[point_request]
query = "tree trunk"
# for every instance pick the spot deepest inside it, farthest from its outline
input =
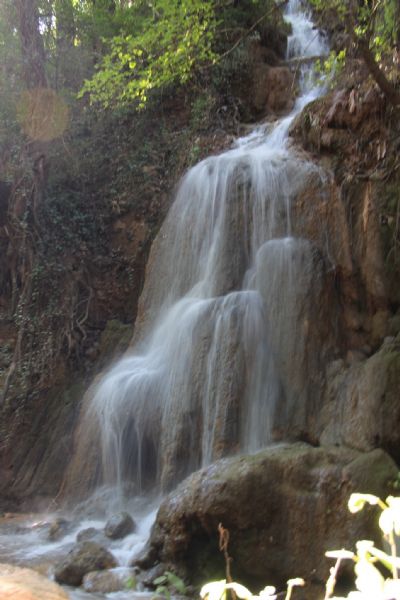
(65, 38)
(386, 86)
(33, 55)
(363, 45)
(397, 32)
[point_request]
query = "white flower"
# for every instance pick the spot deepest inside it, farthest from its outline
(390, 518)
(215, 590)
(357, 501)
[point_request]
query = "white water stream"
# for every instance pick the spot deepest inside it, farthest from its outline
(225, 297)
(224, 286)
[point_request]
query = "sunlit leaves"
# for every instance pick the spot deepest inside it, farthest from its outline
(375, 22)
(168, 40)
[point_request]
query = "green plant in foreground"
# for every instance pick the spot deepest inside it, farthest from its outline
(369, 581)
(168, 583)
(130, 583)
(216, 590)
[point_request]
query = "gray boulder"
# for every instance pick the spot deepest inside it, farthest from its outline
(91, 534)
(119, 526)
(83, 558)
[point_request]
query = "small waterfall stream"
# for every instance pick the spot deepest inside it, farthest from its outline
(224, 299)
(221, 354)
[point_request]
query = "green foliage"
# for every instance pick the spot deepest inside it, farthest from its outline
(169, 583)
(165, 42)
(161, 46)
(375, 22)
(10, 87)
(201, 108)
(130, 583)
(373, 32)
(332, 65)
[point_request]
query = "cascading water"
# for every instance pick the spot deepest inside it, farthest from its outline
(222, 361)
(226, 301)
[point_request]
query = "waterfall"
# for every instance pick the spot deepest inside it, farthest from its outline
(227, 306)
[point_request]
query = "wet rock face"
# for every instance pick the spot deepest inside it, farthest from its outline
(58, 529)
(272, 89)
(362, 407)
(91, 534)
(26, 584)
(119, 526)
(83, 558)
(361, 402)
(284, 507)
(87, 534)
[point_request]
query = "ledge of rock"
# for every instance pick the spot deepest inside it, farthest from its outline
(284, 507)
(25, 584)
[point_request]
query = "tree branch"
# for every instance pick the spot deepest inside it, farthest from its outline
(387, 87)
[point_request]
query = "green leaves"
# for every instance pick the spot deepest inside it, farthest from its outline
(373, 30)
(167, 582)
(167, 42)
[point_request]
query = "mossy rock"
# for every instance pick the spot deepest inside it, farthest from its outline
(284, 508)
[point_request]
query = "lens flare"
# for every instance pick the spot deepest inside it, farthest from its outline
(42, 114)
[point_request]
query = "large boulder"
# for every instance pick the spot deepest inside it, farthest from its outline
(119, 526)
(284, 507)
(83, 558)
(25, 584)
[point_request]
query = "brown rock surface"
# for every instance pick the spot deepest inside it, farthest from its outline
(106, 582)
(119, 525)
(362, 409)
(272, 89)
(25, 584)
(83, 558)
(284, 507)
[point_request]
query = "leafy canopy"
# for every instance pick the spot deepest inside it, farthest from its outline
(372, 20)
(159, 43)
(373, 27)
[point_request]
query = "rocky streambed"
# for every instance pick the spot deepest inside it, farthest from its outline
(89, 557)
